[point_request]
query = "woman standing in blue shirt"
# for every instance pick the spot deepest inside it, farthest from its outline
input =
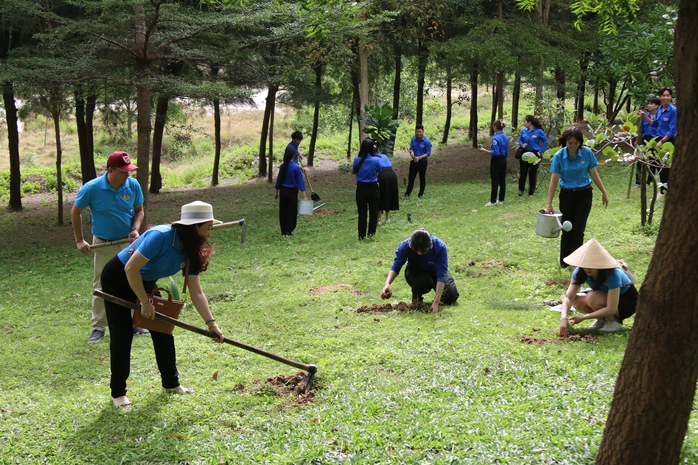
(613, 296)
(132, 274)
(531, 139)
(288, 182)
(498, 163)
(389, 189)
(366, 168)
(573, 169)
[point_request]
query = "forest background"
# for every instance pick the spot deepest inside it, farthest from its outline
(484, 44)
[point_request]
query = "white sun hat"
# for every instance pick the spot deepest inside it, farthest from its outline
(195, 213)
(591, 255)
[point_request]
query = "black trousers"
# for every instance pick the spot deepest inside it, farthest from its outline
(367, 199)
(498, 175)
(114, 282)
(423, 282)
(575, 207)
(527, 170)
(421, 168)
(288, 209)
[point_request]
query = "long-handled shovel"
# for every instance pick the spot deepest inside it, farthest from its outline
(243, 235)
(311, 369)
(313, 195)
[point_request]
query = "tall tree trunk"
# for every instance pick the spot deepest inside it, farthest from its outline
(56, 114)
(581, 89)
(158, 134)
(356, 105)
(271, 144)
(397, 82)
(494, 110)
(473, 105)
(316, 113)
(351, 127)
(500, 96)
(560, 83)
(90, 106)
(217, 137)
(449, 108)
(610, 100)
(8, 96)
(272, 89)
(515, 97)
(363, 73)
(87, 160)
(595, 108)
(143, 107)
(656, 385)
(422, 61)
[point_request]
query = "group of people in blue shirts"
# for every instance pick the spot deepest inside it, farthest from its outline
(659, 124)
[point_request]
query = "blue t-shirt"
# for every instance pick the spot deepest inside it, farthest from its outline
(615, 278)
(574, 172)
(665, 123)
(385, 161)
(535, 138)
(161, 246)
(295, 149)
(369, 169)
(293, 178)
(111, 210)
(500, 145)
(421, 147)
(649, 129)
(436, 259)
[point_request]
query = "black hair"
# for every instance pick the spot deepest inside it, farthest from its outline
(597, 282)
(570, 133)
(368, 147)
(534, 120)
(419, 126)
(297, 135)
(197, 247)
(665, 89)
(655, 100)
(289, 155)
(420, 241)
(498, 125)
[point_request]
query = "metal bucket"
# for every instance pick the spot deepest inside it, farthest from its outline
(549, 225)
(305, 207)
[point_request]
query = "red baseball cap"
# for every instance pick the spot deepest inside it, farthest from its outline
(121, 160)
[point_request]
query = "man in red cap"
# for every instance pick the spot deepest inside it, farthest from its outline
(116, 212)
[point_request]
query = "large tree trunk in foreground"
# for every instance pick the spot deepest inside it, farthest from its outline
(84, 111)
(8, 96)
(654, 392)
(515, 97)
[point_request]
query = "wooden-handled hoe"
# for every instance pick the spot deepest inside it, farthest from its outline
(311, 369)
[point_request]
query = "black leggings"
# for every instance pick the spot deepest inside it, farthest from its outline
(367, 200)
(498, 175)
(575, 207)
(288, 209)
(423, 282)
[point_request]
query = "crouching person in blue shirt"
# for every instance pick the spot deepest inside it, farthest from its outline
(427, 269)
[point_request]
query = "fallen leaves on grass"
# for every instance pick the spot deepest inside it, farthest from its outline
(588, 338)
(384, 308)
(215, 375)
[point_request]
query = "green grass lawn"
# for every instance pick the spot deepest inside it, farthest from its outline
(459, 387)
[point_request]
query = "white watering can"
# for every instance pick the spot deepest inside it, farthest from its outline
(549, 225)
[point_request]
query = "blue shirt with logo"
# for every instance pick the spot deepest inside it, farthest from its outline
(574, 172)
(369, 170)
(160, 245)
(293, 146)
(436, 259)
(385, 161)
(111, 210)
(665, 123)
(421, 147)
(615, 279)
(293, 178)
(500, 145)
(535, 138)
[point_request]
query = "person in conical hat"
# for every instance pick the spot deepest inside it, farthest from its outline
(612, 298)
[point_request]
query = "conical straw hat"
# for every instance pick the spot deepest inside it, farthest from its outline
(591, 255)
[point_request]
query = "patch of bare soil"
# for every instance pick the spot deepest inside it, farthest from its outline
(588, 338)
(330, 288)
(292, 386)
(398, 306)
(327, 211)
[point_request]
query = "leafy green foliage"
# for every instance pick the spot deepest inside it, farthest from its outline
(381, 127)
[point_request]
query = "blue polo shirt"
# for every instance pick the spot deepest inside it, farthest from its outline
(161, 246)
(615, 279)
(436, 259)
(385, 161)
(535, 138)
(295, 149)
(421, 147)
(574, 172)
(369, 169)
(649, 129)
(111, 210)
(500, 145)
(293, 178)
(665, 123)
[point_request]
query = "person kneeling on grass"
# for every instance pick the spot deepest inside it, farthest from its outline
(612, 298)
(427, 269)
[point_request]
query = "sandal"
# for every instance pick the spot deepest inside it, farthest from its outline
(121, 402)
(179, 390)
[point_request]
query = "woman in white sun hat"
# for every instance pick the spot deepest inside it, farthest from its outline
(612, 298)
(159, 252)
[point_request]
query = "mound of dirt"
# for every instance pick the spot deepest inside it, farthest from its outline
(384, 308)
(291, 386)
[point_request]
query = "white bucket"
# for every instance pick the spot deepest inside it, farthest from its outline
(305, 207)
(549, 225)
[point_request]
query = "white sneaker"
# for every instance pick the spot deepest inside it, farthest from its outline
(598, 324)
(499, 202)
(611, 326)
(556, 308)
(489, 204)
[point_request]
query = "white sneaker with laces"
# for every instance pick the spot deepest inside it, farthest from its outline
(499, 202)
(598, 324)
(611, 326)
(489, 204)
